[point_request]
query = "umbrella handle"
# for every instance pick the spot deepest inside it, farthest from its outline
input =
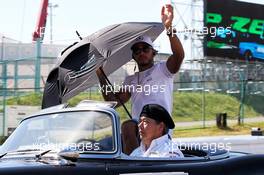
(117, 97)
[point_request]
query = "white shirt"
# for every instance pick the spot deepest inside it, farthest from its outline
(160, 147)
(152, 86)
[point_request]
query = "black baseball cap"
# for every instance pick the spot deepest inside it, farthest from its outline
(158, 113)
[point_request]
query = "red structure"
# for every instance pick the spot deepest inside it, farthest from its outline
(41, 23)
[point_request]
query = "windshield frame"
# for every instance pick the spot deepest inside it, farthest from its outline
(84, 154)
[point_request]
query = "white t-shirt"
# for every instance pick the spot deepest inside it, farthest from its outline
(160, 147)
(152, 86)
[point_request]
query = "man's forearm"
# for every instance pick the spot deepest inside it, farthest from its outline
(176, 47)
(175, 60)
(105, 89)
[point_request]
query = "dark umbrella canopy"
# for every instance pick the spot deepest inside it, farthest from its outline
(109, 47)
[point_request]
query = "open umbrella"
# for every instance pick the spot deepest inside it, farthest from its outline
(109, 47)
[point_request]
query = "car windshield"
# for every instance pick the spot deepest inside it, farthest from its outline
(82, 131)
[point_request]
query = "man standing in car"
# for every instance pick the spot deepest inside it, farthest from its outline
(159, 75)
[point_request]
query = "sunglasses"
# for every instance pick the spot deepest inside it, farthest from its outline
(138, 50)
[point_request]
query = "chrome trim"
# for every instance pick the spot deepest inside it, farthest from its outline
(70, 109)
(116, 129)
(117, 139)
(165, 159)
(218, 157)
(92, 103)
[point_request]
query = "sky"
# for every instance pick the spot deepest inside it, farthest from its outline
(19, 17)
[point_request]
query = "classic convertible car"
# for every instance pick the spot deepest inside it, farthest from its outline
(86, 139)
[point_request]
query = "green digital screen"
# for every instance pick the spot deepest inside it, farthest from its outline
(237, 29)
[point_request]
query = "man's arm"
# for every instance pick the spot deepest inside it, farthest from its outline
(108, 95)
(175, 60)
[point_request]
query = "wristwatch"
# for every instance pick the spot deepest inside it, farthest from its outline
(171, 31)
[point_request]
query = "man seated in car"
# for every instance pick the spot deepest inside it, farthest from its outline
(153, 127)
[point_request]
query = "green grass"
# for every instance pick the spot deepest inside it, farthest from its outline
(31, 99)
(214, 131)
(255, 101)
(2, 139)
(187, 106)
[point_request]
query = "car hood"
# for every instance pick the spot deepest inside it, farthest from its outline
(49, 166)
(33, 162)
